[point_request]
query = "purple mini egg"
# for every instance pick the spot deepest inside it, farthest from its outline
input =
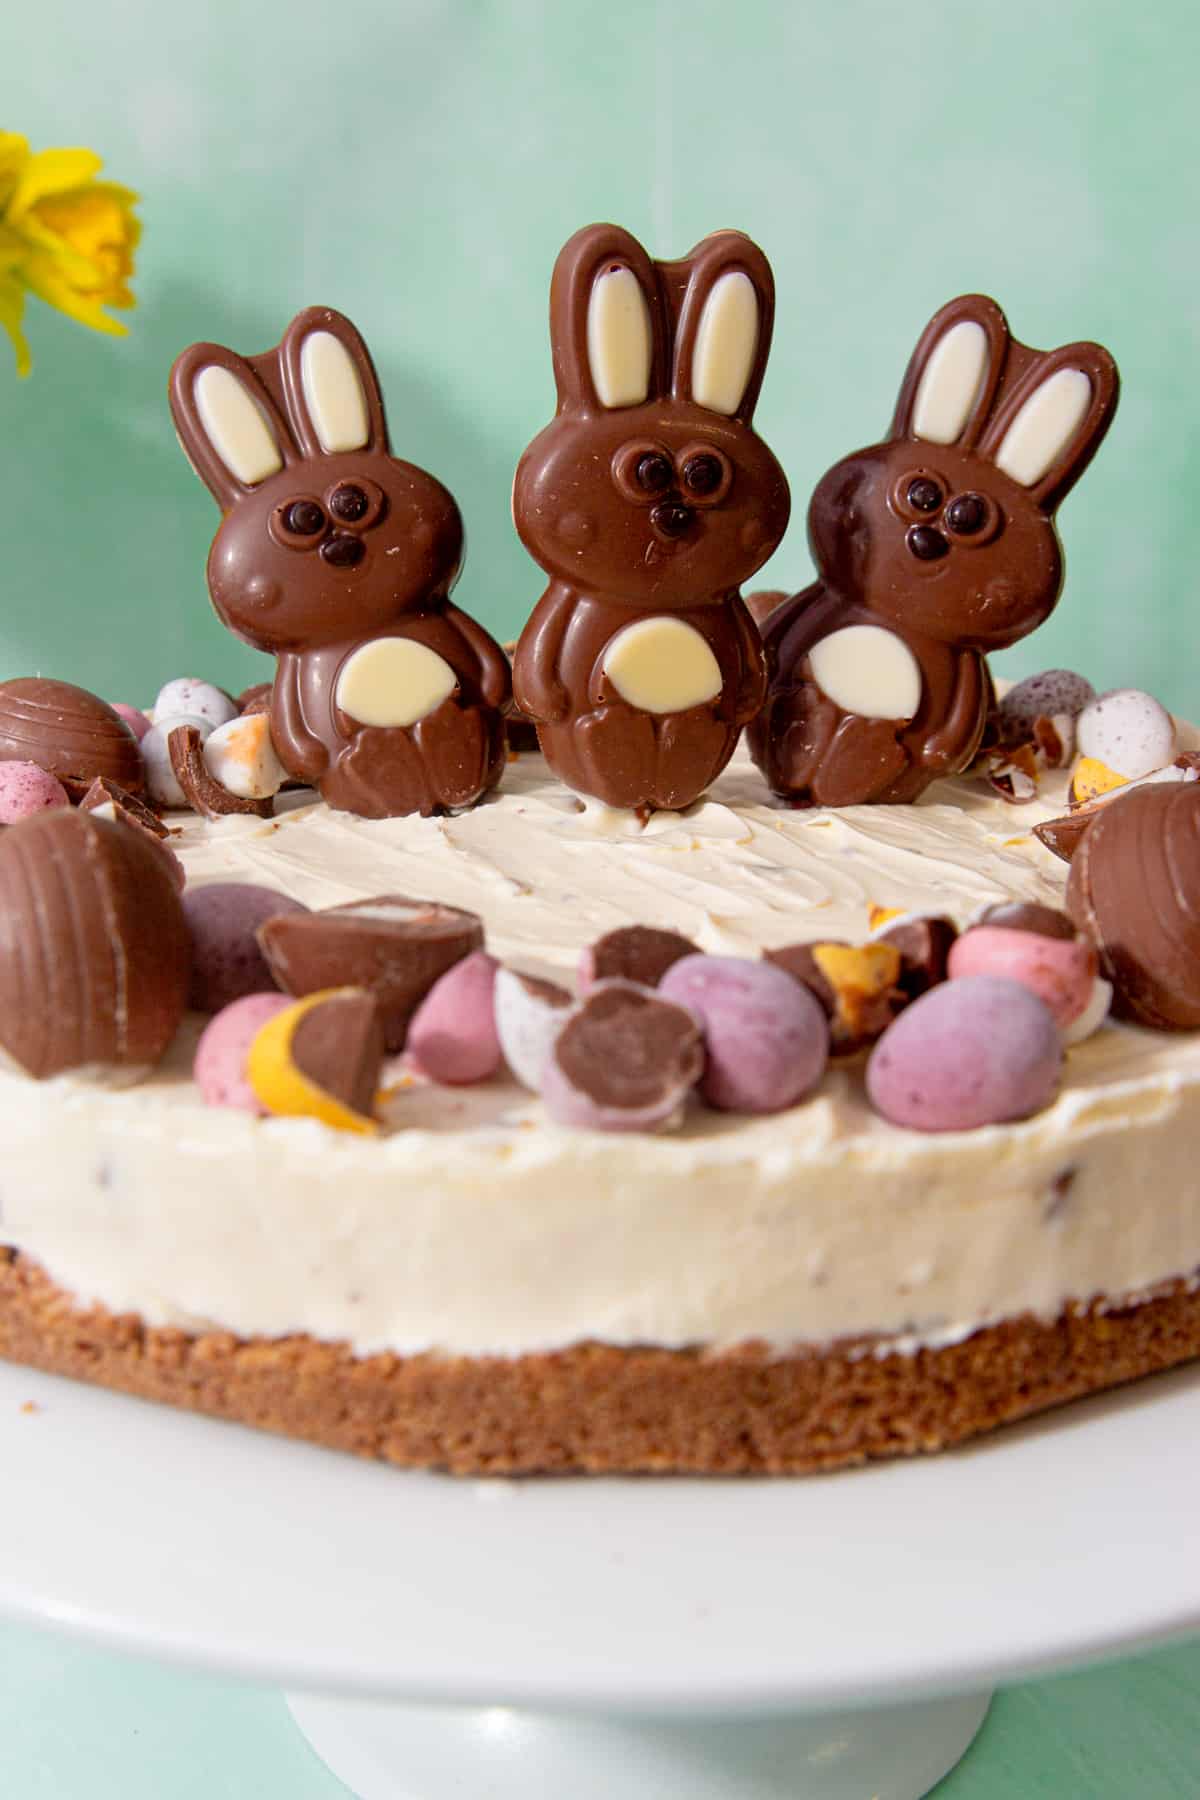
(978, 1050)
(219, 1069)
(26, 789)
(766, 1036)
(223, 918)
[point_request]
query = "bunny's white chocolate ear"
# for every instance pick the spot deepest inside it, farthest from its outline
(620, 338)
(1045, 426)
(951, 383)
(235, 425)
(333, 393)
(726, 343)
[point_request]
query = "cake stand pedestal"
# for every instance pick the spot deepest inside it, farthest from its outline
(446, 1753)
(651, 1639)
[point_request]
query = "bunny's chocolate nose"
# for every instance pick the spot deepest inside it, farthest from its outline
(342, 550)
(927, 543)
(671, 517)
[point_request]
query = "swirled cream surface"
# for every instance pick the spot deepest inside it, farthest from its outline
(474, 1225)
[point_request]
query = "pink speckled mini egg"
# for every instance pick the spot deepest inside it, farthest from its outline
(219, 1069)
(1060, 971)
(25, 789)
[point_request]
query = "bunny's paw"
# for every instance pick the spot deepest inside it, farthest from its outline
(380, 775)
(462, 750)
(693, 748)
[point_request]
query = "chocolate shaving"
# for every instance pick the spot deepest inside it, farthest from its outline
(924, 945)
(127, 809)
(1048, 742)
(203, 792)
(857, 1014)
(1013, 774)
(1064, 834)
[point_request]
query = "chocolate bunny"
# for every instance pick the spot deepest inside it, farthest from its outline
(931, 548)
(339, 558)
(648, 500)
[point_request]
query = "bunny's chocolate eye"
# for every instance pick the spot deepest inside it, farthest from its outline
(303, 518)
(348, 503)
(924, 495)
(967, 514)
(705, 474)
(702, 474)
(654, 473)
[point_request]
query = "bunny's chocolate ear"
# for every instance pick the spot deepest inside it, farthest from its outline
(1048, 429)
(725, 324)
(953, 374)
(230, 428)
(330, 385)
(606, 322)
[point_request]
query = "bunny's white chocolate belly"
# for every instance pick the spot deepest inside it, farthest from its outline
(867, 670)
(393, 681)
(662, 665)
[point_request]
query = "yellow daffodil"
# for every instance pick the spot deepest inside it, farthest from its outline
(64, 236)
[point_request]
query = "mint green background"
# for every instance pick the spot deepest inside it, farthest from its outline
(419, 164)
(76, 1724)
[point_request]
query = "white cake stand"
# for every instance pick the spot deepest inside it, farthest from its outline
(681, 1640)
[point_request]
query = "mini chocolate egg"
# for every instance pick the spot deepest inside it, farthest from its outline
(625, 1060)
(319, 1058)
(641, 953)
(241, 756)
(529, 1016)
(26, 789)
(980, 1050)
(227, 961)
(765, 1034)
(219, 1068)
(133, 716)
(94, 949)
(67, 731)
(1128, 731)
(187, 699)
(1060, 971)
(1051, 694)
(452, 1037)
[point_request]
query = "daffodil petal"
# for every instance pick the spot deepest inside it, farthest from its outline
(12, 305)
(52, 172)
(45, 279)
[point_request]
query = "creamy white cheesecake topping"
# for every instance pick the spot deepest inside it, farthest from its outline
(476, 1226)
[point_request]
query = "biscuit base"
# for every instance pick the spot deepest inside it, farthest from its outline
(597, 1409)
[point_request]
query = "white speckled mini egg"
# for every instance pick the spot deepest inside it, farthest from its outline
(1128, 731)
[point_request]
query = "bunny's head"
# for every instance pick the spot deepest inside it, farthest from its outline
(650, 483)
(326, 535)
(948, 527)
